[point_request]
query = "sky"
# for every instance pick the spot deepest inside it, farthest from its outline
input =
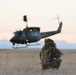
(40, 13)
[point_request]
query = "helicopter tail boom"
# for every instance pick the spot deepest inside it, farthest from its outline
(50, 33)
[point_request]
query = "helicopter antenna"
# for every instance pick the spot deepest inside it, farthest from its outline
(25, 19)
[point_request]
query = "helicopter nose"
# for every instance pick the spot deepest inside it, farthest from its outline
(11, 40)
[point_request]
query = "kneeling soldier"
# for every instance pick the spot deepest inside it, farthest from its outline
(50, 55)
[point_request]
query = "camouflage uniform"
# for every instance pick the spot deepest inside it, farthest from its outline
(50, 55)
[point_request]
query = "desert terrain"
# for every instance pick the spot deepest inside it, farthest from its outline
(27, 62)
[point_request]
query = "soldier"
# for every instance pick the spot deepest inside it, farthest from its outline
(50, 55)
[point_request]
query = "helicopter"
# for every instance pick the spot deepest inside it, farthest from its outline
(32, 34)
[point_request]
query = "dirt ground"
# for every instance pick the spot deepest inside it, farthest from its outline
(27, 62)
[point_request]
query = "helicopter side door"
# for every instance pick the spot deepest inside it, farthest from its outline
(33, 35)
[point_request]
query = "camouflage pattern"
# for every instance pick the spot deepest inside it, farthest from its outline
(55, 63)
(50, 55)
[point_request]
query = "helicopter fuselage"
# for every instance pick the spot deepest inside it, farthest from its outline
(32, 34)
(28, 35)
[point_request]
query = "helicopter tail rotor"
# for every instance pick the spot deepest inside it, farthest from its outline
(60, 24)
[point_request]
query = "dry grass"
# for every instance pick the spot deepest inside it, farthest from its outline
(27, 62)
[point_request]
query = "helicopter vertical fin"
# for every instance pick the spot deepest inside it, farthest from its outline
(60, 27)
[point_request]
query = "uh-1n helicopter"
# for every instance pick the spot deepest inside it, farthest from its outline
(32, 34)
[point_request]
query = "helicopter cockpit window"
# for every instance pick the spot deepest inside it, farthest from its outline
(18, 33)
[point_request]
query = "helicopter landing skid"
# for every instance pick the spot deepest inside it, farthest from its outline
(33, 44)
(16, 47)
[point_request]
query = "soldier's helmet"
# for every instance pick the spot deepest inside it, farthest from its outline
(50, 42)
